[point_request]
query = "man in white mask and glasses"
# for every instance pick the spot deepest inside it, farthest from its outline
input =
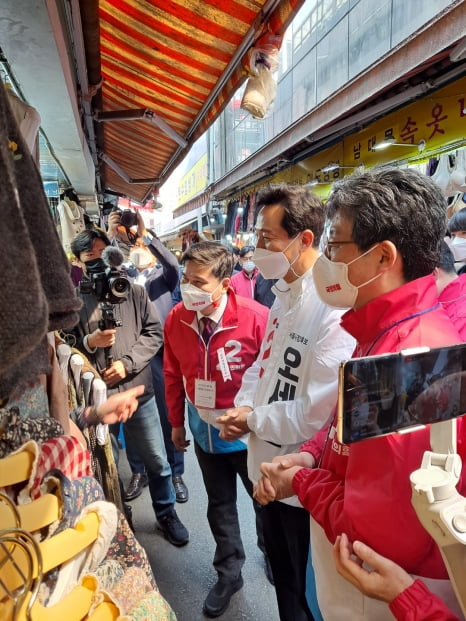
(384, 235)
(288, 394)
(211, 338)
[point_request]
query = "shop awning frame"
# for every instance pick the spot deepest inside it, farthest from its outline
(160, 72)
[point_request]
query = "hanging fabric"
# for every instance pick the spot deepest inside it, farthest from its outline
(71, 217)
(457, 179)
(458, 202)
(28, 120)
(441, 177)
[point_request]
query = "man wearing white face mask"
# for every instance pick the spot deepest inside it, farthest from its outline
(243, 282)
(159, 281)
(385, 229)
(288, 394)
(457, 242)
(211, 337)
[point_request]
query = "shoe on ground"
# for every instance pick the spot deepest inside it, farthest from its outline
(138, 482)
(268, 570)
(173, 529)
(218, 599)
(181, 490)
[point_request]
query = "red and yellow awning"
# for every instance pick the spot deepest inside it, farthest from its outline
(174, 63)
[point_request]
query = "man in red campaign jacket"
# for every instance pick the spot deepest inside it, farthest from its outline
(211, 338)
(385, 228)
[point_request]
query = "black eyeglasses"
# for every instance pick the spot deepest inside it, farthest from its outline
(335, 244)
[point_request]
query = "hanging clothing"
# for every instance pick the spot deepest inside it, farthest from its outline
(38, 294)
(71, 217)
(28, 120)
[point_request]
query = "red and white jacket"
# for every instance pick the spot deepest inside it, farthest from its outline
(364, 489)
(186, 357)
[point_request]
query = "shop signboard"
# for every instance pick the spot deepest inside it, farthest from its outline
(439, 119)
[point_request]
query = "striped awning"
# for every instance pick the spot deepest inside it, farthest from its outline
(169, 67)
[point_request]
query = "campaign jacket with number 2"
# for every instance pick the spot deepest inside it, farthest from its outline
(186, 358)
(297, 371)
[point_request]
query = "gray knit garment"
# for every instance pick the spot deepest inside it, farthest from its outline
(36, 292)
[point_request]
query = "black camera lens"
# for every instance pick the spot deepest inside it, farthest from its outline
(119, 286)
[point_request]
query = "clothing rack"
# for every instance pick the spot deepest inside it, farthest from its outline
(24, 561)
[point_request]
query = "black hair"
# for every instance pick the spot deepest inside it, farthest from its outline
(399, 205)
(245, 249)
(211, 254)
(84, 241)
(458, 221)
(302, 209)
(447, 260)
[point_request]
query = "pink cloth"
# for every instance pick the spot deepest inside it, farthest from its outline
(242, 285)
(453, 300)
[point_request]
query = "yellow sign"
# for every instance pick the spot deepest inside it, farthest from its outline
(194, 181)
(438, 119)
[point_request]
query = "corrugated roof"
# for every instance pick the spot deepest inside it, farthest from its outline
(180, 61)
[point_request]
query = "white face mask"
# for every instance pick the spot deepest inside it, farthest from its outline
(273, 264)
(458, 248)
(140, 257)
(249, 266)
(196, 299)
(332, 283)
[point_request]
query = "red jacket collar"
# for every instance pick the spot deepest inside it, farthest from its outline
(366, 323)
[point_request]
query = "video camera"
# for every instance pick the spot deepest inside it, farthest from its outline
(105, 280)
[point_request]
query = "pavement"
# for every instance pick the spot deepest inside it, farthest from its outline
(185, 575)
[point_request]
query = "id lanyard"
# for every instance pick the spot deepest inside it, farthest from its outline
(397, 323)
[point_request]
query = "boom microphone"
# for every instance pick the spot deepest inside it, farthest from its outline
(112, 257)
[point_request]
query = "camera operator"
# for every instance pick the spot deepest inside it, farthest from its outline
(122, 356)
(158, 272)
(120, 229)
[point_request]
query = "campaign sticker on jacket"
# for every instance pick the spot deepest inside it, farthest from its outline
(223, 363)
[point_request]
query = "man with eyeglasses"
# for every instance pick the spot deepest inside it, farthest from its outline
(384, 235)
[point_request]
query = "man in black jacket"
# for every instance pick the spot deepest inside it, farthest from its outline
(131, 347)
(159, 281)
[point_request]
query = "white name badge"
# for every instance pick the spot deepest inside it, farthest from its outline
(223, 364)
(204, 393)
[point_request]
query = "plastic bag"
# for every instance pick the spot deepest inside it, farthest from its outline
(261, 88)
(259, 93)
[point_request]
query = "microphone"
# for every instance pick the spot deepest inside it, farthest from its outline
(112, 256)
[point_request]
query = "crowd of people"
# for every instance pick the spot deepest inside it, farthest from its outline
(259, 388)
(249, 361)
